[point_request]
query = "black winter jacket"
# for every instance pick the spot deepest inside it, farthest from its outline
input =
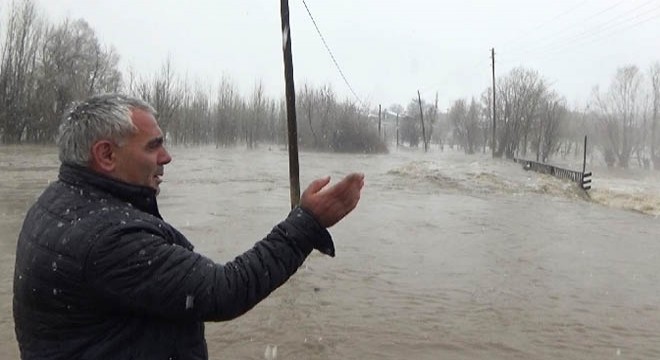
(100, 275)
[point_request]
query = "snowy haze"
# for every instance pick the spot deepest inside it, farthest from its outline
(387, 49)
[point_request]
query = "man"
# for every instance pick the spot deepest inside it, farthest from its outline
(100, 275)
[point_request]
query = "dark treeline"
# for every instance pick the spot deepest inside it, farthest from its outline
(44, 68)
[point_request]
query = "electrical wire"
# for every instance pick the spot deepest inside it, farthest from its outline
(593, 31)
(332, 56)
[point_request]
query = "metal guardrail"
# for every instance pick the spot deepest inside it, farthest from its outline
(581, 178)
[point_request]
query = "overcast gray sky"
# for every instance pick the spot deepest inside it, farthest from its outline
(387, 49)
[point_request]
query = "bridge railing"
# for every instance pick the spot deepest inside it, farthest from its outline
(581, 178)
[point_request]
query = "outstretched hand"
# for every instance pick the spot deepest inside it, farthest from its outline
(331, 204)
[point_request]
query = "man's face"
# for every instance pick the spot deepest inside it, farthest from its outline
(142, 156)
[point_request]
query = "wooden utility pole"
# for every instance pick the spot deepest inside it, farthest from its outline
(492, 55)
(421, 114)
(379, 119)
(294, 177)
(584, 159)
(397, 130)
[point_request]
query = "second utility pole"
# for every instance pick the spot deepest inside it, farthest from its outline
(492, 55)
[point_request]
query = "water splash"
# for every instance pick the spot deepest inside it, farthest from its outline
(271, 352)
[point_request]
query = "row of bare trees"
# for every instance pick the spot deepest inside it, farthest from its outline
(222, 117)
(530, 117)
(534, 121)
(44, 68)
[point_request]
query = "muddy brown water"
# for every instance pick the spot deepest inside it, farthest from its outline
(445, 257)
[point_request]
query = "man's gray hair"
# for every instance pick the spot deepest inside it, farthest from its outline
(99, 117)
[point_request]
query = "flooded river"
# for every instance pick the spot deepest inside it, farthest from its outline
(446, 257)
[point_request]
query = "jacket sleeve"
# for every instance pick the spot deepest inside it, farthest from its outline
(134, 270)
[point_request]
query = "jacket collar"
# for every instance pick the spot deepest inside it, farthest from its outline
(141, 197)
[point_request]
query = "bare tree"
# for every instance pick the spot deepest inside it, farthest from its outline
(432, 118)
(272, 122)
(398, 110)
(551, 115)
(411, 129)
(520, 94)
(225, 122)
(654, 74)
(165, 93)
(18, 61)
(308, 101)
(193, 125)
(256, 111)
(486, 125)
(619, 114)
(465, 120)
(73, 66)
(327, 110)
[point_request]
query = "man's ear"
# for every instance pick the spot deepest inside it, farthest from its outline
(103, 157)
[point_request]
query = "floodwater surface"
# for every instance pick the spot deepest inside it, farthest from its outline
(447, 256)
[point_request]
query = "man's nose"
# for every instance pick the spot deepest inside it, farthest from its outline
(165, 157)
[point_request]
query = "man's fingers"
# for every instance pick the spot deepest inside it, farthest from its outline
(318, 184)
(358, 179)
(355, 177)
(350, 188)
(352, 183)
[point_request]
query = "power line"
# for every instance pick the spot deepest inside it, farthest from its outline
(544, 24)
(595, 30)
(599, 33)
(330, 52)
(580, 22)
(609, 33)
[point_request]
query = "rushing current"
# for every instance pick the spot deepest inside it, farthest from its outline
(447, 256)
